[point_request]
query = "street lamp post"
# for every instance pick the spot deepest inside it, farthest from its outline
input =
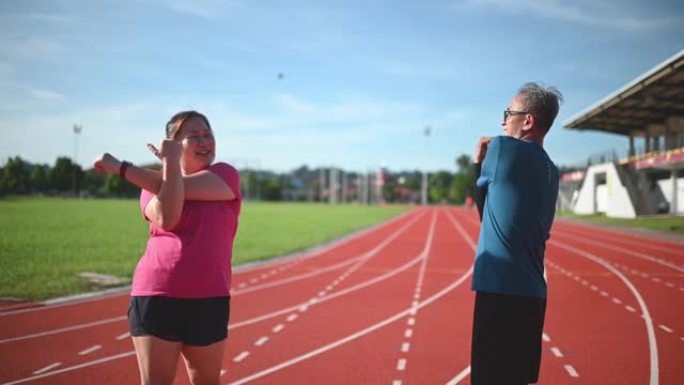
(77, 131)
(426, 132)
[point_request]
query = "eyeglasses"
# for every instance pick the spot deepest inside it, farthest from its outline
(508, 113)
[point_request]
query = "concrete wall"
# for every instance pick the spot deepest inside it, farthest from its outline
(666, 188)
(617, 201)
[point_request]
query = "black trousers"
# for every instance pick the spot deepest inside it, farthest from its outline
(507, 339)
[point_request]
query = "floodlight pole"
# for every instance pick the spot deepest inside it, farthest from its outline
(77, 131)
(424, 184)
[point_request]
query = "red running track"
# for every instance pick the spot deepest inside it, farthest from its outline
(392, 305)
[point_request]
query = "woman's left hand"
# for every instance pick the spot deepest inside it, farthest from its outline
(107, 163)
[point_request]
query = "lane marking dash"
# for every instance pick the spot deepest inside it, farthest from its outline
(241, 356)
(90, 350)
(571, 371)
(49, 367)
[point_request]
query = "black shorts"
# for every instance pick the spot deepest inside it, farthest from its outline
(507, 339)
(196, 321)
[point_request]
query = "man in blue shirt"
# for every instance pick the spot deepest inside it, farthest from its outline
(516, 196)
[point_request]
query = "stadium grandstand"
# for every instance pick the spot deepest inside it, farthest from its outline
(649, 180)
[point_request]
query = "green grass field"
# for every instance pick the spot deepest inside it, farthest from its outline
(46, 242)
(667, 224)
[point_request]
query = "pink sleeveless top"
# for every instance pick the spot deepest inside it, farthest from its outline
(194, 259)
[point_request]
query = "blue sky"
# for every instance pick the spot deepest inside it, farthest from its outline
(361, 79)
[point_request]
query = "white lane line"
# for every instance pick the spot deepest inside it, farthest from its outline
(66, 329)
(594, 288)
(667, 329)
(277, 328)
(603, 293)
(626, 251)
(401, 364)
(72, 368)
(291, 317)
(261, 341)
(396, 382)
(571, 371)
(369, 329)
(405, 347)
(350, 261)
(90, 350)
(546, 337)
(459, 377)
(223, 371)
(650, 330)
(240, 357)
(617, 301)
(356, 335)
(633, 310)
(123, 336)
(47, 368)
(669, 284)
(338, 294)
(330, 297)
(556, 352)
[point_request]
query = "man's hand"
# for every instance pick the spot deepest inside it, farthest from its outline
(481, 149)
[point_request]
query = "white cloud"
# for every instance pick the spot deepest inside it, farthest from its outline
(360, 110)
(421, 71)
(48, 95)
(603, 14)
(32, 48)
(205, 9)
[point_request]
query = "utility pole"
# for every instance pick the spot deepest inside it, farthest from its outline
(426, 132)
(77, 131)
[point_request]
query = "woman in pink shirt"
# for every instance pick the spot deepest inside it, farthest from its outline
(180, 297)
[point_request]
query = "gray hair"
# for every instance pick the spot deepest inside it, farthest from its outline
(542, 102)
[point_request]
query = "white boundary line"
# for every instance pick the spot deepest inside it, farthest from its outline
(626, 251)
(365, 331)
(244, 323)
(72, 368)
(64, 330)
(317, 250)
(244, 268)
(354, 336)
(653, 349)
(618, 236)
(367, 254)
(252, 320)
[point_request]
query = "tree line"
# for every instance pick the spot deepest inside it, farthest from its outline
(66, 178)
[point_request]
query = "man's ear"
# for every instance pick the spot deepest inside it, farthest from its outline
(529, 122)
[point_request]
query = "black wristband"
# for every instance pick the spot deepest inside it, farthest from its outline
(123, 168)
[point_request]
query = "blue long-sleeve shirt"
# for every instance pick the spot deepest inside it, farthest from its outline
(520, 183)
